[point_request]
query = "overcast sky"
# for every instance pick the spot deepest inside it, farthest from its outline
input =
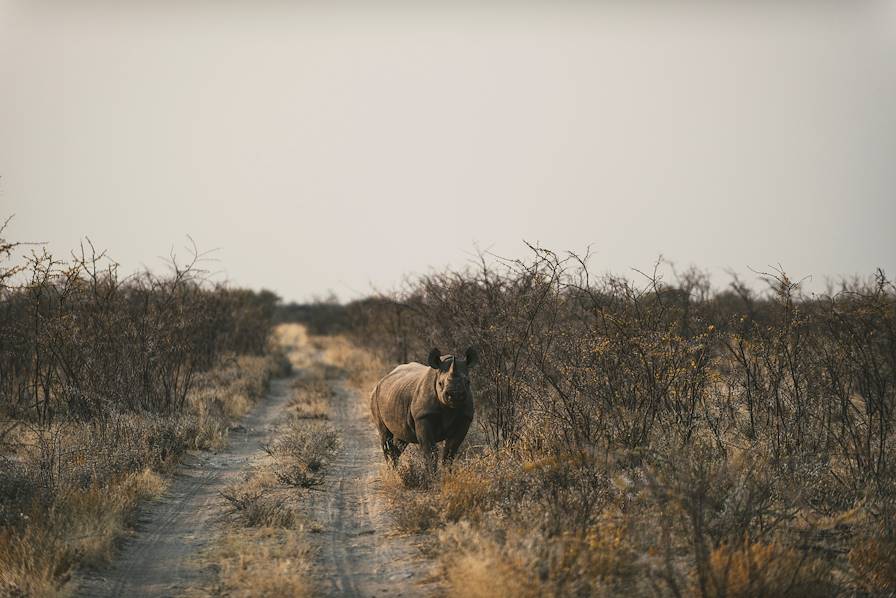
(341, 148)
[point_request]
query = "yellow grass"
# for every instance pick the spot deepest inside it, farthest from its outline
(262, 550)
(227, 393)
(81, 528)
(311, 398)
(874, 560)
(756, 569)
(295, 340)
(361, 367)
(85, 519)
(270, 562)
(482, 568)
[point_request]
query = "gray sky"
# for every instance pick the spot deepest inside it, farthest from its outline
(339, 148)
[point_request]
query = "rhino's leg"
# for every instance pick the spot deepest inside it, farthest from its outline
(454, 440)
(387, 442)
(426, 436)
(391, 451)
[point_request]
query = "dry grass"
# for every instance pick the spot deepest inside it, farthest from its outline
(294, 339)
(568, 524)
(362, 368)
(415, 510)
(874, 560)
(311, 398)
(69, 490)
(301, 450)
(268, 561)
(262, 550)
(755, 569)
(452, 505)
(304, 445)
(228, 392)
(81, 528)
(256, 501)
(479, 566)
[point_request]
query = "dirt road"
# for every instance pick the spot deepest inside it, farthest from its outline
(172, 530)
(359, 553)
(356, 550)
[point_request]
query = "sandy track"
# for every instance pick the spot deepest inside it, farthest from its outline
(356, 549)
(358, 552)
(156, 561)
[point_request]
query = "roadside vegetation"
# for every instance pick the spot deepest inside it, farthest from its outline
(649, 437)
(104, 382)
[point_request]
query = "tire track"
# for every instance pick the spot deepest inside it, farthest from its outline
(358, 551)
(156, 561)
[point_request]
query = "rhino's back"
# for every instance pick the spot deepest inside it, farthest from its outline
(394, 396)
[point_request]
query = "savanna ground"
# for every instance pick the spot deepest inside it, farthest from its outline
(632, 437)
(310, 515)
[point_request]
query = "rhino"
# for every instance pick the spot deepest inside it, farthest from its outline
(425, 404)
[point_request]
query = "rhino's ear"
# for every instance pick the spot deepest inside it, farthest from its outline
(472, 356)
(435, 358)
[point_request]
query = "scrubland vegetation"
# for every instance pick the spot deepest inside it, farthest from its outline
(104, 381)
(652, 438)
(632, 436)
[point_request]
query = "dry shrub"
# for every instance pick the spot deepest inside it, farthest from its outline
(686, 419)
(96, 341)
(874, 561)
(301, 450)
(606, 552)
(466, 492)
(413, 471)
(749, 570)
(413, 511)
(567, 488)
(311, 398)
(256, 506)
(269, 562)
(106, 379)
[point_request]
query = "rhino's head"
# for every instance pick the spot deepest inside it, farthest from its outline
(453, 379)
